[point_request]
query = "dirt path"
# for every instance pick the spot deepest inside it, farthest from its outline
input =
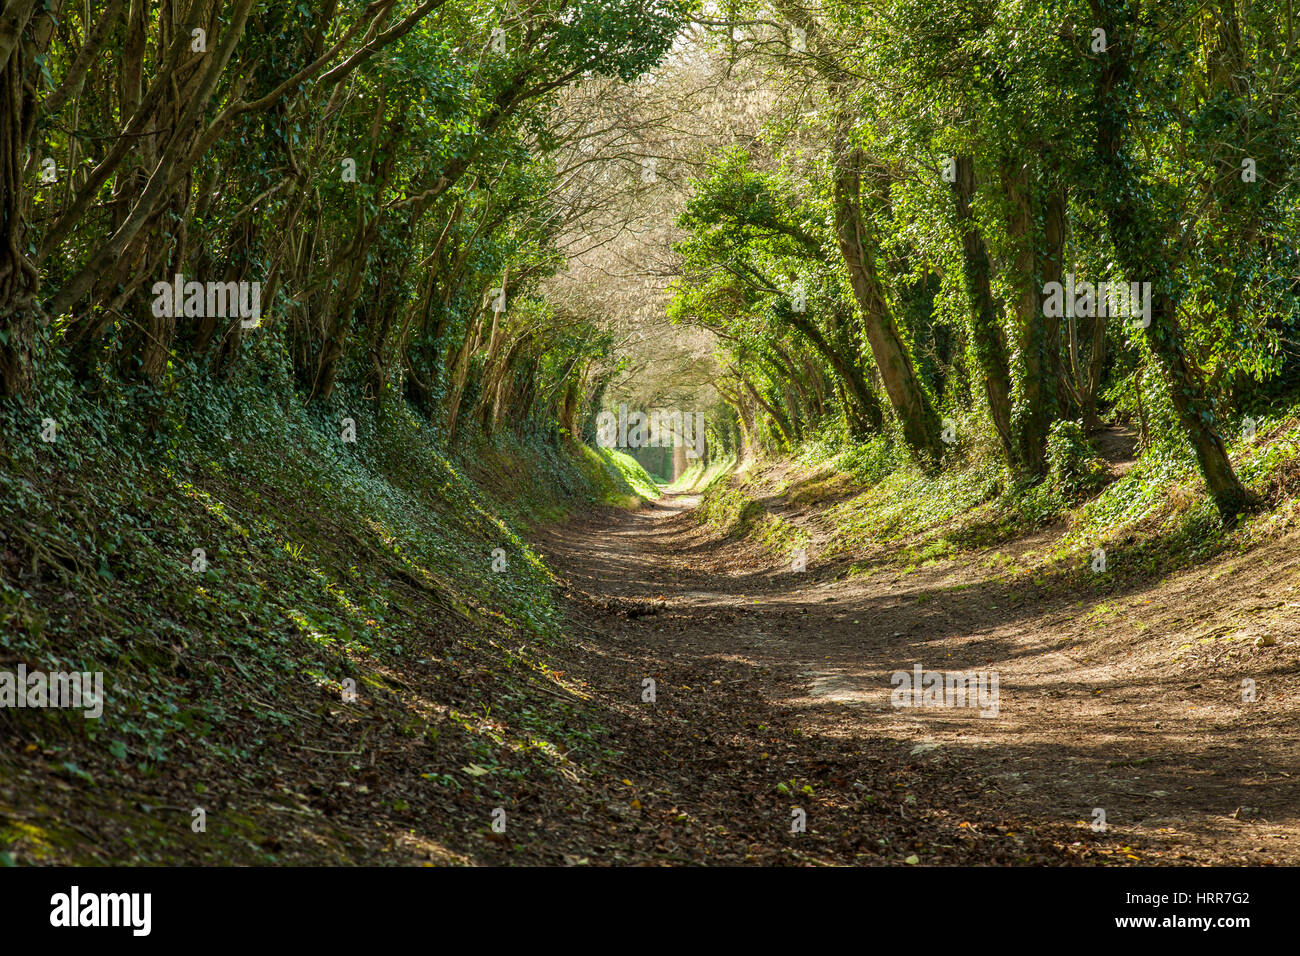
(772, 694)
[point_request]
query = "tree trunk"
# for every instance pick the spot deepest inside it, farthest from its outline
(1035, 409)
(1143, 250)
(679, 459)
(865, 414)
(1051, 268)
(19, 278)
(778, 416)
(920, 424)
(986, 327)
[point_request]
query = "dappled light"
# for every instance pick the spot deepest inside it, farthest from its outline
(566, 433)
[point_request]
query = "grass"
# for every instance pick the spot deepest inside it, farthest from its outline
(729, 507)
(631, 472)
(617, 478)
(1153, 519)
(699, 476)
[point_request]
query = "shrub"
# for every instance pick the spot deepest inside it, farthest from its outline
(1074, 467)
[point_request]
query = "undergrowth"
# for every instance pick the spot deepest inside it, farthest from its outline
(867, 500)
(239, 556)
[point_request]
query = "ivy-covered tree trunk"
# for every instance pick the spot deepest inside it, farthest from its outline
(1050, 267)
(865, 414)
(986, 327)
(1035, 407)
(19, 277)
(1146, 254)
(910, 402)
(776, 413)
